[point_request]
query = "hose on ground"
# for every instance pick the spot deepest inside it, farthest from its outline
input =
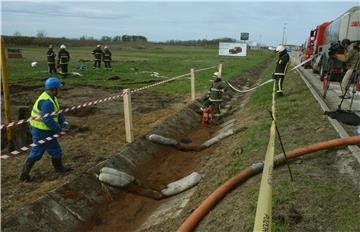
(182, 147)
(198, 214)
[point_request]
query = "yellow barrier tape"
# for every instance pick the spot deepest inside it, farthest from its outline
(263, 218)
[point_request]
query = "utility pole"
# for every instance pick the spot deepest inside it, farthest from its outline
(283, 35)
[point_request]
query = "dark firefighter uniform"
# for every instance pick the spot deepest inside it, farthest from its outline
(98, 55)
(280, 71)
(51, 60)
(63, 60)
(215, 93)
(107, 59)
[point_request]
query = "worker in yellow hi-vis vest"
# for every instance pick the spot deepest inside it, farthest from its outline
(46, 127)
(280, 69)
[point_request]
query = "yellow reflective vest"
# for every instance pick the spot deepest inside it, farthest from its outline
(39, 124)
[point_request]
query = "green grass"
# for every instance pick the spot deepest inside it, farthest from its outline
(324, 198)
(168, 61)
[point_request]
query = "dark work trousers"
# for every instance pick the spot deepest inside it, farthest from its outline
(107, 64)
(64, 68)
(52, 68)
(214, 105)
(97, 64)
(279, 84)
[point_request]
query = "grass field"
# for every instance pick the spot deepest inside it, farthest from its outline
(318, 192)
(133, 65)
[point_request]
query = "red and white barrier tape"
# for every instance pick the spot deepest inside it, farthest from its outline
(15, 123)
(26, 148)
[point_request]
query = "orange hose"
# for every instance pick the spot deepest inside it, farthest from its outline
(193, 220)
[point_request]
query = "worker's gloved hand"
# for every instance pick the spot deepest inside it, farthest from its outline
(65, 127)
(273, 76)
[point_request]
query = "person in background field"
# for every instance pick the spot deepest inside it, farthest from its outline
(51, 59)
(98, 56)
(63, 59)
(215, 93)
(280, 69)
(46, 127)
(351, 59)
(107, 58)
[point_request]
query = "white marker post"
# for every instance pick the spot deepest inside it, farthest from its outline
(128, 116)
(220, 69)
(192, 73)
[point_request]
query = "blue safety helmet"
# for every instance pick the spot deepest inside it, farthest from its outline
(52, 83)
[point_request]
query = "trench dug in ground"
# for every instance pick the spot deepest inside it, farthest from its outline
(95, 139)
(129, 212)
(97, 133)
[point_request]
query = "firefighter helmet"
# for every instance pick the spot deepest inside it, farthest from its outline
(216, 74)
(62, 46)
(98, 46)
(280, 48)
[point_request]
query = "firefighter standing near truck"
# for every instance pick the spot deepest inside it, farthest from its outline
(214, 98)
(107, 58)
(98, 56)
(51, 59)
(351, 58)
(63, 59)
(46, 127)
(280, 69)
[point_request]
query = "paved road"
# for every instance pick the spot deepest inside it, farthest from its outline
(332, 96)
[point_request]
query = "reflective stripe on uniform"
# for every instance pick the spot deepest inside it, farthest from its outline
(217, 90)
(215, 100)
(61, 59)
(35, 112)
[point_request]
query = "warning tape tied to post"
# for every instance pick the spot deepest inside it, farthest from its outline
(22, 121)
(55, 136)
(263, 218)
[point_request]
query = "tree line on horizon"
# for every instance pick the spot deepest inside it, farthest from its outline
(42, 40)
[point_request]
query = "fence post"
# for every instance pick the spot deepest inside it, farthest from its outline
(6, 93)
(192, 73)
(220, 69)
(128, 116)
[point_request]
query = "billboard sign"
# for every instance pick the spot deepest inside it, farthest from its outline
(232, 49)
(244, 36)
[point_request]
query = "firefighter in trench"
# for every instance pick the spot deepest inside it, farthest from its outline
(214, 98)
(98, 56)
(280, 69)
(107, 58)
(63, 59)
(46, 127)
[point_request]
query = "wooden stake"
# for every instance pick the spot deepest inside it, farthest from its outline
(128, 116)
(5, 86)
(220, 69)
(192, 73)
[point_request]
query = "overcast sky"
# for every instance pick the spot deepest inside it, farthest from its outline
(166, 20)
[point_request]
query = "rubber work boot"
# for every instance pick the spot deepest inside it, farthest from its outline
(24, 175)
(58, 166)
